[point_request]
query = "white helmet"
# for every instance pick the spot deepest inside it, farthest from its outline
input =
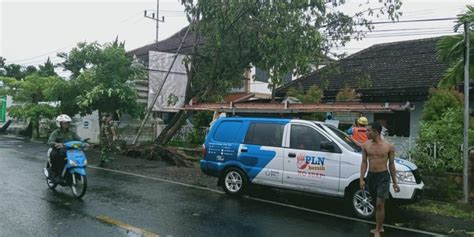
(61, 119)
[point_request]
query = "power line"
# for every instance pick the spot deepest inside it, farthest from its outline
(49, 53)
(415, 20)
(410, 34)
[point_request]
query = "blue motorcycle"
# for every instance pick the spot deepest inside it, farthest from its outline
(74, 172)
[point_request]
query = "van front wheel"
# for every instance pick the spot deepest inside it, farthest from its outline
(362, 204)
(235, 181)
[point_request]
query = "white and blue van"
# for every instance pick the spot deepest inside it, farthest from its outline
(298, 155)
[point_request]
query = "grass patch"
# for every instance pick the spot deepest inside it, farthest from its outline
(457, 210)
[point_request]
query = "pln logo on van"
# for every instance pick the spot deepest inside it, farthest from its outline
(303, 161)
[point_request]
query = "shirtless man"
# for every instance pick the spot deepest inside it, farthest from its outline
(376, 153)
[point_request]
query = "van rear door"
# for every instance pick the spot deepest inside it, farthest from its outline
(262, 152)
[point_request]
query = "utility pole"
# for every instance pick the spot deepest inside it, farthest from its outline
(466, 113)
(156, 17)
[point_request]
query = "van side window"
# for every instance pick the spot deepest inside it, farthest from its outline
(265, 134)
(305, 138)
(227, 131)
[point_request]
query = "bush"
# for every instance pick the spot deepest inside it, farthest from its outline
(447, 133)
(197, 136)
(439, 101)
(441, 128)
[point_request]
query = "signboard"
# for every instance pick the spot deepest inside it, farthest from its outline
(171, 97)
(85, 123)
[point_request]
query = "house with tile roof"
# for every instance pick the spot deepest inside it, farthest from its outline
(386, 73)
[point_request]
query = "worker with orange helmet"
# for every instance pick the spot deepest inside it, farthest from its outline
(359, 133)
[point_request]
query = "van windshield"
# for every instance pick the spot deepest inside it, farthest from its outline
(346, 139)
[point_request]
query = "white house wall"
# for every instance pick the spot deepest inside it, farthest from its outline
(88, 126)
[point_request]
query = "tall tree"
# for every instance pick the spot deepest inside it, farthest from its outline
(31, 100)
(47, 69)
(451, 51)
(280, 37)
(101, 80)
(13, 70)
(18, 71)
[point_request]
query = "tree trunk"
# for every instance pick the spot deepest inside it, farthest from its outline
(173, 127)
(171, 155)
(35, 134)
(273, 92)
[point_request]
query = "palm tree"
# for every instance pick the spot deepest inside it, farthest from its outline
(451, 51)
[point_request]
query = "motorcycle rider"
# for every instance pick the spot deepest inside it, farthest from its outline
(57, 156)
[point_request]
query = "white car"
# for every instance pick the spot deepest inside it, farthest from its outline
(298, 155)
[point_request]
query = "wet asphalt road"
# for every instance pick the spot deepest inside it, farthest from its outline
(29, 208)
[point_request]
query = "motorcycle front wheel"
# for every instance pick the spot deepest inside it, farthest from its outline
(78, 185)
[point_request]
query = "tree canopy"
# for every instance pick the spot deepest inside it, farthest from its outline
(102, 79)
(280, 37)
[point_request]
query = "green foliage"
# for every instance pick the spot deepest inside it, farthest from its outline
(196, 136)
(346, 94)
(102, 77)
(17, 71)
(439, 101)
(451, 51)
(47, 69)
(447, 133)
(313, 95)
(451, 209)
(317, 116)
(364, 81)
(33, 112)
(280, 37)
(442, 124)
(31, 98)
(202, 119)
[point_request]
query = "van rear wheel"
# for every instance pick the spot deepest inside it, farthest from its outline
(235, 182)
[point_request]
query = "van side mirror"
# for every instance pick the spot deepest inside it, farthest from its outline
(327, 146)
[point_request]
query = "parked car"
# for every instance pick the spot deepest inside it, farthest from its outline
(295, 154)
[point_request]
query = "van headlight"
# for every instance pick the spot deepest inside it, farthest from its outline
(406, 177)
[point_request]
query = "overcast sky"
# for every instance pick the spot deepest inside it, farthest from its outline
(30, 31)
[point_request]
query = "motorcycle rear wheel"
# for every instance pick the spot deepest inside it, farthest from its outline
(49, 179)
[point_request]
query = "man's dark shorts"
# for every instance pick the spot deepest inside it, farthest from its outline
(379, 184)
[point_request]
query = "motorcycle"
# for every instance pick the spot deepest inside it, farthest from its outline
(74, 172)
